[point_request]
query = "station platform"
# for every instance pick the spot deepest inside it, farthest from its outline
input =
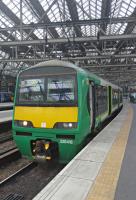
(6, 116)
(6, 106)
(104, 169)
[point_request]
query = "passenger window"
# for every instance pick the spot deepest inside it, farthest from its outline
(101, 99)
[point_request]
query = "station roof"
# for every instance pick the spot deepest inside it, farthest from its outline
(99, 35)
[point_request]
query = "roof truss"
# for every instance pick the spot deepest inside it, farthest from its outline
(99, 35)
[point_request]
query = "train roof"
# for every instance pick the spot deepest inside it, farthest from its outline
(58, 63)
(61, 63)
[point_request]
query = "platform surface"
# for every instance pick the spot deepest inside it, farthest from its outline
(94, 172)
(126, 188)
(6, 104)
(6, 115)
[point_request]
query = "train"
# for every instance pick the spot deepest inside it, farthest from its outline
(6, 97)
(57, 106)
(132, 97)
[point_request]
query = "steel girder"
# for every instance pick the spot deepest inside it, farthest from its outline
(129, 28)
(71, 23)
(74, 16)
(65, 40)
(105, 12)
(96, 65)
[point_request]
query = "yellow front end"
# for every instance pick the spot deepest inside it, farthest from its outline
(46, 117)
(43, 134)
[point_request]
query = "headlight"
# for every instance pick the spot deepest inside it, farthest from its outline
(67, 125)
(23, 123)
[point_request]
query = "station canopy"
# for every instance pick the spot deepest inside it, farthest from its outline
(99, 35)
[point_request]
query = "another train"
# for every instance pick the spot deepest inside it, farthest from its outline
(57, 105)
(132, 97)
(6, 97)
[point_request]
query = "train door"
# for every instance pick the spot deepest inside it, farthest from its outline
(92, 104)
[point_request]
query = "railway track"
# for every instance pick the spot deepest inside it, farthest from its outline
(5, 131)
(5, 137)
(6, 151)
(28, 181)
(5, 126)
(18, 173)
(9, 155)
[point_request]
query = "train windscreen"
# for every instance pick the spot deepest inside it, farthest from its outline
(54, 90)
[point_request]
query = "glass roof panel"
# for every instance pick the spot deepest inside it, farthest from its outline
(39, 33)
(28, 14)
(59, 12)
(2, 37)
(61, 32)
(46, 3)
(89, 9)
(60, 7)
(14, 5)
(134, 30)
(3, 54)
(121, 8)
(54, 13)
(129, 8)
(5, 21)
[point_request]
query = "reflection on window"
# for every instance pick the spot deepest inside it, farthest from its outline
(60, 89)
(115, 96)
(47, 90)
(101, 100)
(31, 90)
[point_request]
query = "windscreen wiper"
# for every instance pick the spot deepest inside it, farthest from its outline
(41, 91)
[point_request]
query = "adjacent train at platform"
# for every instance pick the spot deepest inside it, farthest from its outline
(57, 106)
(6, 97)
(132, 97)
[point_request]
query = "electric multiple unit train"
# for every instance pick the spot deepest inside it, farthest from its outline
(56, 106)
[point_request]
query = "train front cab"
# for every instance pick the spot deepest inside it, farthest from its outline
(43, 129)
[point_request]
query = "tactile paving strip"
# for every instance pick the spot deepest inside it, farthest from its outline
(105, 184)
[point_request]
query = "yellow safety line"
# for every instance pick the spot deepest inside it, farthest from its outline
(105, 184)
